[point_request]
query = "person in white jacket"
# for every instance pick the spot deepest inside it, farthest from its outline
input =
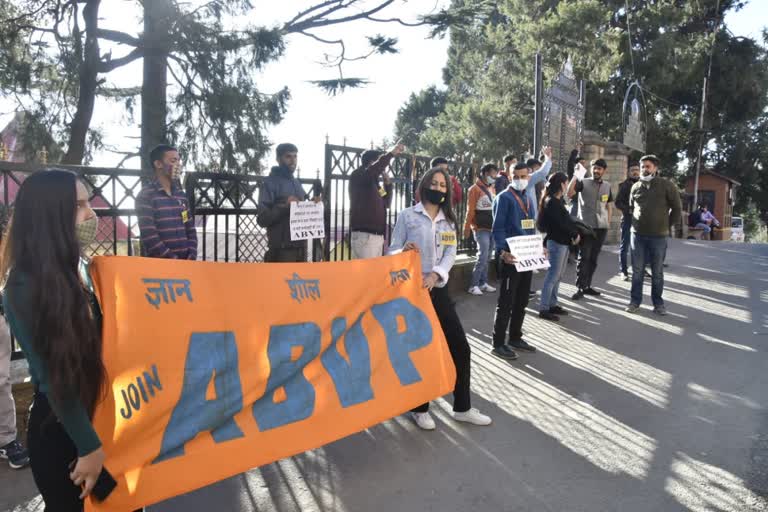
(430, 228)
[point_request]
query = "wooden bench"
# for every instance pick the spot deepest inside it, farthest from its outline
(695, 233)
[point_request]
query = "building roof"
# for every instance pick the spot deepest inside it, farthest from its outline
(721, 176)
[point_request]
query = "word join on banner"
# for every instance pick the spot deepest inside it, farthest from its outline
(217, 368)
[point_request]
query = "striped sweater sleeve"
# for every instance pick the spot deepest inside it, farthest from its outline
(150, 239)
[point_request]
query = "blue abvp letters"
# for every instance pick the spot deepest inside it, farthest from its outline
(214, 355)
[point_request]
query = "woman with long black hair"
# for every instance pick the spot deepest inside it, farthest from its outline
(430, 228)
(49, 310)
(561, 231)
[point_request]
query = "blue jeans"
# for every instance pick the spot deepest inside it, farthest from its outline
(626, 240)
(480, 272)
(648, 250)
(558, 261)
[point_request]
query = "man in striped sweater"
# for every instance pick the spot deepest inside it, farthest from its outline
(166, 225)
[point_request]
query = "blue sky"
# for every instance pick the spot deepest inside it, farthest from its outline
(360, 116)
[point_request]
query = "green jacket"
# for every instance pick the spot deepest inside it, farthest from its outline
(19, 312)
(654, 206)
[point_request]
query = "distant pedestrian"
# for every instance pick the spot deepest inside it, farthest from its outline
(10, 447)
(370, 195)
(595, 210)
(512, 217)
(502, 182)
(561, 233)
(622, 203)
(479, 223)
(706, 222)
(654, 204)
(277, 192)
(430, 228)
(166, 225)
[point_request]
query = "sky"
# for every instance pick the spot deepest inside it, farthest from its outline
(358, 116)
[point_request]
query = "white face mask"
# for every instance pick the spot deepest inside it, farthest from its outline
(489, 180)
(647, 177)
(519, 185)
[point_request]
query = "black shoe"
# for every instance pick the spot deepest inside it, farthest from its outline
(591, 291)
(626, 276)
(548, 315)
(532, 294)
(579, 294)
(557, 310)
(522, 345)
(504, 352)
(16, 454)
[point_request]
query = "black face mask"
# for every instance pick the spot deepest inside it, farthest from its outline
(633, 179)
(434, 196)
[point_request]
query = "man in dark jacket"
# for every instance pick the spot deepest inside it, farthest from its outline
(276, 194)
(654, 204)
(622, 203)
(368, 203)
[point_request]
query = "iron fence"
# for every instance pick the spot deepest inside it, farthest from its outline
(225, 208)
(226, 205)
(406, 172)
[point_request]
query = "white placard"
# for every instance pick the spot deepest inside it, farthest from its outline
(580, 171)
(529, 251)
(307, 220)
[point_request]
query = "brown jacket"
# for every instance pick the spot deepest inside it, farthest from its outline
(479, 208)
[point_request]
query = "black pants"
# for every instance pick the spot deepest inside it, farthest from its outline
(589, 251)
(457, 344)
(286, 255)
(510, 308)
(51, 451)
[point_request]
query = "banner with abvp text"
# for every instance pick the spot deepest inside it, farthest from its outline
(217, 368)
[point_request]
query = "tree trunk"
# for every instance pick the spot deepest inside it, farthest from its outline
(154, 109)
(88, 82)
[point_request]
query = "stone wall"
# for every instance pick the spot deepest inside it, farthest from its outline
(616, 156)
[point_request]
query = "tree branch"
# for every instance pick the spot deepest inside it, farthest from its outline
(307, 11)
(320, 20)
(401, 22)
(112, 64)
(118, 37)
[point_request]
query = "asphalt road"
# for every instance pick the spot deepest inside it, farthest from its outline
(614, 413)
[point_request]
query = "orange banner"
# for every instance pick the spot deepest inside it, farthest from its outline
(217, 368)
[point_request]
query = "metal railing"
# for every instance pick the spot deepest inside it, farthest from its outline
(226, 205)
(225, 208)
(406, 172)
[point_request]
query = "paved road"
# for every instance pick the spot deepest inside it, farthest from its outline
(615, 413)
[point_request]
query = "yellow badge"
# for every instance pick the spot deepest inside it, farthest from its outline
(184, 216)
(528, 224)
(604, 198)
(448, 238)
(382, 192)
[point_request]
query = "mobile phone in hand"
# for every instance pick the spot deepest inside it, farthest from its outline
(104, 486)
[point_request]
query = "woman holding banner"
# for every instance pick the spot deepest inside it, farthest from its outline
(50, 313)
(430, 228)
(561, 231)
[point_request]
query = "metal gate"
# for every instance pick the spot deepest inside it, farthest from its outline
(406, 171)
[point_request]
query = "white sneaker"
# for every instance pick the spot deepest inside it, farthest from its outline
(487, 288)
(475, 290)
(472, 416)
(423, 420)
